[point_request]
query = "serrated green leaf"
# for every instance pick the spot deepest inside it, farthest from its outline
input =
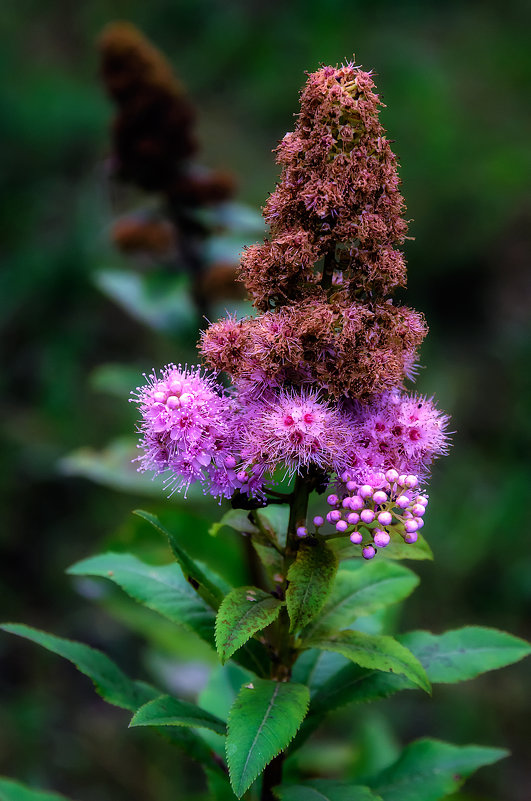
(359, 591)
(161, 588)
(110, 682)
(262, 722)
(428, 770)
(169, 711)
(192, 572)
(325, 790)
(376, 652)
(396, 550)
(310, 580)
(243, 612)
(11, 790)
(355, 685)
(464, 653)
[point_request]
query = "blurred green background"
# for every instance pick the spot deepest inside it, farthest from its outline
(455, 77)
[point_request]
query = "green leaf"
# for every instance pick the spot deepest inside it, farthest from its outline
(161, 588)
(243, 612)
(237, 519)
(428, 770)
(361, 589)
(192, 572)
(377, 652)
(110, 682)
(325, 790)
(310, 580)
(356, 685)
(262, 722)
(11, 790)
(169, 711)
(464, 653)
(314, 667)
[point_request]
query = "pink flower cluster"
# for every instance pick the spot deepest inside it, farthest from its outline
(318, 374)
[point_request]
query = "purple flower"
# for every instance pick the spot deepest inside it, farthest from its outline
(188, 427)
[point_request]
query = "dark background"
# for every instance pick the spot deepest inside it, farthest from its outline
(455, 78)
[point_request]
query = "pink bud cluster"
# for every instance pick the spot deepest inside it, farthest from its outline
(371, 512)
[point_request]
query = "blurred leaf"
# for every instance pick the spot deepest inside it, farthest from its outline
(428, 770)
(262, 722)
(242, 613)
(110, 682)
(377, 652)
(169, 711)
(113, 467)
(161, 588)
(310, 580)
(314, 667)
(325, 790)
(160, 300)
(237, 519)
(115, 379)
(464, 653)
(236, 217)
(396, 550)
(219, 786)
(361, 589)
(11, 790)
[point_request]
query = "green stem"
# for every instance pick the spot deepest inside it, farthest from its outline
(285, 651)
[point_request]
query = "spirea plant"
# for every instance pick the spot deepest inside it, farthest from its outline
(304, 406)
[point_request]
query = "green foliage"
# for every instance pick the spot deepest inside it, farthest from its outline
(325, 790)
(161, 588)
(262, 722)
(242, 613)
(361, 589)
(14, 791)
(203, 585)
(377, 652)
(169, 711)
(110, 682)
(310, 580)
(464, 653)
(428, 770)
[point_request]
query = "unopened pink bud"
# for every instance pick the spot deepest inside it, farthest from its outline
(345, 503)
(332, 500)
(318, 521)
(356, 538)
(159, 397)
(385, 518)
(302, 531)
(403, 501)
(335, 516)
(411, 526)
(411, 482)
(346, 476)
(422, 499)
(351, 486)
(367, 515)
(353, 518)
(230, 462)
(342, 525)
(366, 491)
(173, 401)
(402, 480)
(242, 476)
(411, 537)
(368, 552)
(379, 497)
(356, 503)
(418, 510)
(381, 538)
(419, 521)
(391, 476)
